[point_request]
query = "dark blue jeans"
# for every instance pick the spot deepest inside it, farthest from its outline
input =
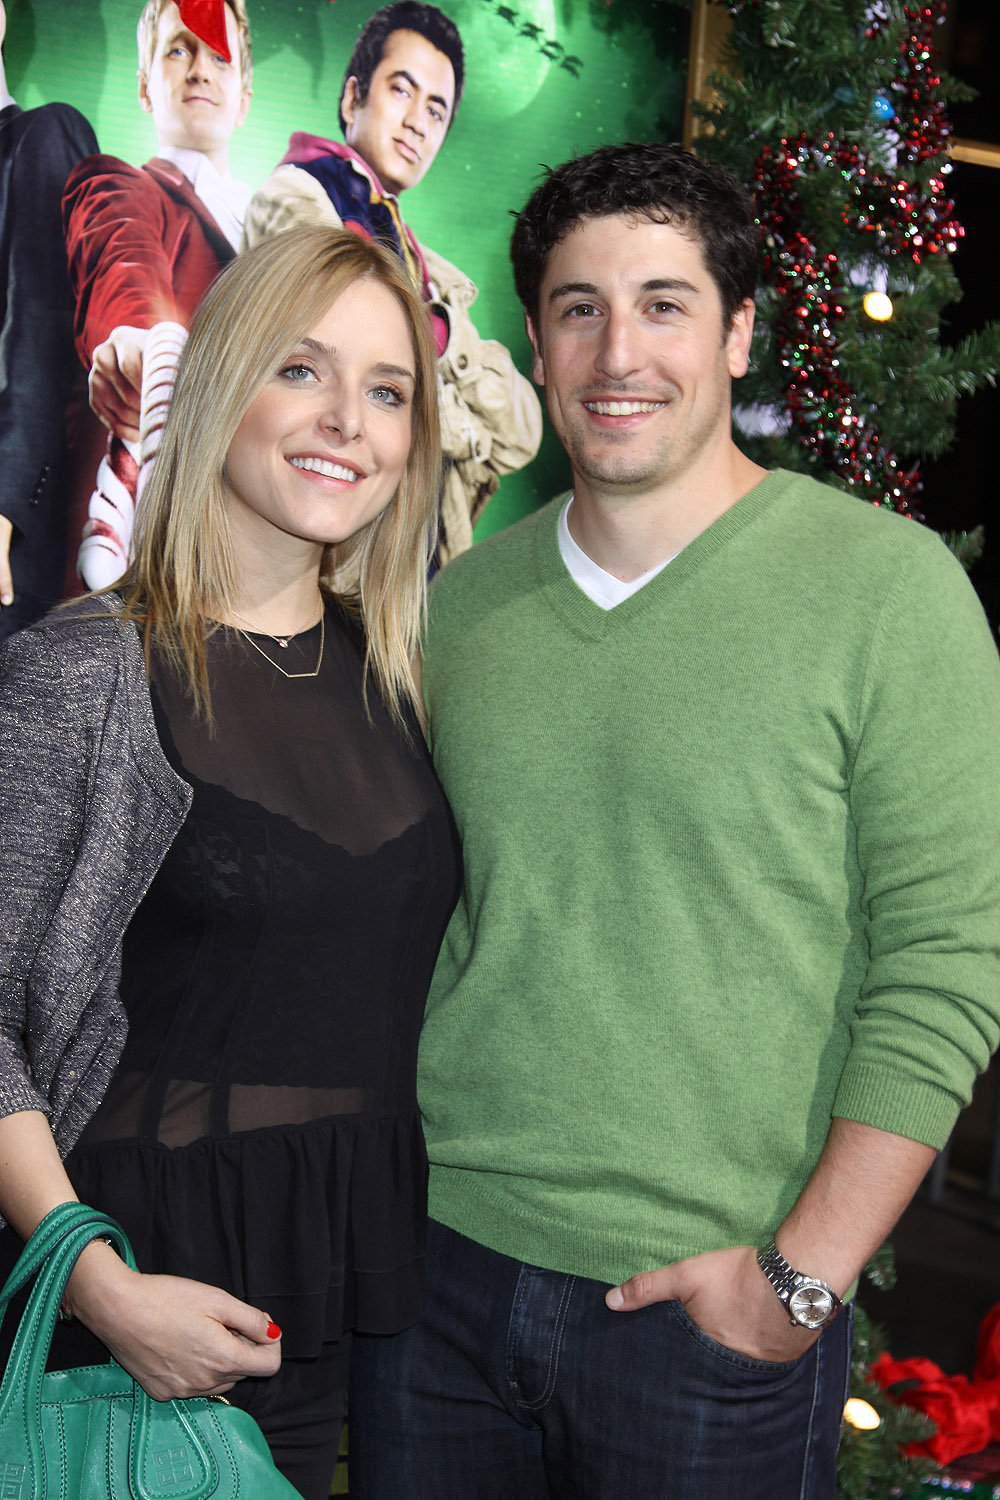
(519, 1384)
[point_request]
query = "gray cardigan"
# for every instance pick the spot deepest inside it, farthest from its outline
(88, 808)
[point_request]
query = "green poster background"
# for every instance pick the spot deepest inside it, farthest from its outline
(544, 79)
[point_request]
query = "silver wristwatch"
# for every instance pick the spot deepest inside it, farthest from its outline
(809, 1301)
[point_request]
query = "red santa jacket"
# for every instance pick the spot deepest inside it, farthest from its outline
(142, 247)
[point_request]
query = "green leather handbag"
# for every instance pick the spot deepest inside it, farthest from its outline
(92, 1433)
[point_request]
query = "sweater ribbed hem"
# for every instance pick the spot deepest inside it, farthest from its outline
(464, 1202)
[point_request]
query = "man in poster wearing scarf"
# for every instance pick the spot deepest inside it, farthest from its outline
(401, 89)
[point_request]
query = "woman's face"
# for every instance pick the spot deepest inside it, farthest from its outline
(322, 448)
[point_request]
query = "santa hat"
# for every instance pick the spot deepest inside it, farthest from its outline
(207, 19)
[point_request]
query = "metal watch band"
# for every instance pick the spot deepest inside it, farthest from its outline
(787, 1282)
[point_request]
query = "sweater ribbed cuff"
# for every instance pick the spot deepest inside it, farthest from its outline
(902, 1105)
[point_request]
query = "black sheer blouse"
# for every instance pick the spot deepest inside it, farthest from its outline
(262, 1132)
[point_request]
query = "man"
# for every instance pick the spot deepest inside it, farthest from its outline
(145, 244)
(723, 748)
(397, 103)
(38, 147)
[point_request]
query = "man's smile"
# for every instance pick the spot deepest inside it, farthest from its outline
(622, 408)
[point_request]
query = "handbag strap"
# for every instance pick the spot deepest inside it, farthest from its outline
(52, 1230)
(50, 1256)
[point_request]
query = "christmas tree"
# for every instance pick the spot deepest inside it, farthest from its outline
(873, 1462)
(879, 1451)
(835, 114)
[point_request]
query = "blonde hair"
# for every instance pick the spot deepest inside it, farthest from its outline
(149, 21)
(184, 575)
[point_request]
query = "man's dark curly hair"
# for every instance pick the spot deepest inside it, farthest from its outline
(404, 15)
(663, 183)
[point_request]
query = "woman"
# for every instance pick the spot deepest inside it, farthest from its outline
(217, 775)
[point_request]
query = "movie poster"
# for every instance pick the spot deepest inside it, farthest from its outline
(544, 79)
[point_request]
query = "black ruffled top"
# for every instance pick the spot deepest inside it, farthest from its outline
(261, 1131)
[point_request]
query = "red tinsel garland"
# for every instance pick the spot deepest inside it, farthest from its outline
(903, 210)
(967, 1412)
(826, 414)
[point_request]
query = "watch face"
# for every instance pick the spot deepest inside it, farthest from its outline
(810, 1305)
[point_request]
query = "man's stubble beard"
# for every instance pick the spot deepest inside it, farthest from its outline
(602, 467)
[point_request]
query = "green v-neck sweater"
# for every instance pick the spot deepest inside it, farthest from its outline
(732, 867)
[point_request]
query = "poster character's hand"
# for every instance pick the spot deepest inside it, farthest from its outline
(176, 1337)
(728, 1296)
(6, 578)
(116, 381)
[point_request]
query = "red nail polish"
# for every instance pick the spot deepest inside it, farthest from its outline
(273, 1331)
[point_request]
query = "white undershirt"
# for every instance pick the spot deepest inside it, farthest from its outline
(603, 588)
(224, 196)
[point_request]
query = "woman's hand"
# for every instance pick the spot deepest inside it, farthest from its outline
(174, 1336)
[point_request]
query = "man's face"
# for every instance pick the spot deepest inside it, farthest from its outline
(195, 97)
(400, 127)
(631, 348)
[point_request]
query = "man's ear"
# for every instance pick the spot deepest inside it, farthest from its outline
(738, 339)
(145, 102)
(537, 364)
(349, 100)
(244, 106)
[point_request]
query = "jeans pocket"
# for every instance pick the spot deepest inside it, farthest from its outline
(732, 1357)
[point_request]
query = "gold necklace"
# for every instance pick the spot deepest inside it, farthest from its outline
(276, 665)
(279, 640)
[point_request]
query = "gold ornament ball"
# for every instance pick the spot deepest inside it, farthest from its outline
(878, 306)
